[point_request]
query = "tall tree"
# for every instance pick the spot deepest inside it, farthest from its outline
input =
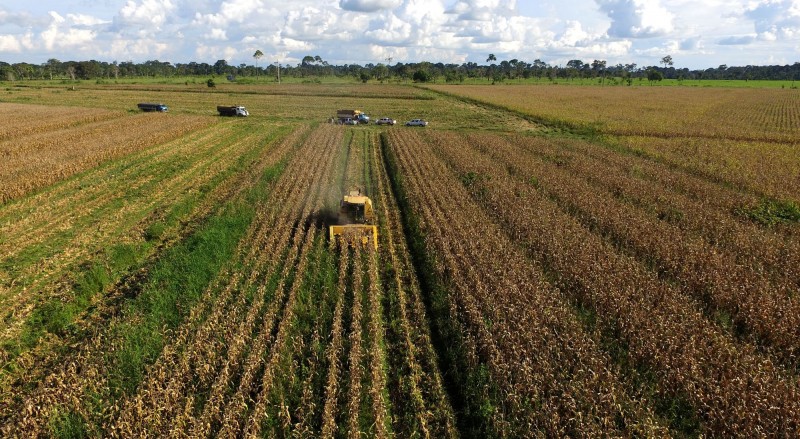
(574, 67)
(667, 61)
(490, 70)
(599, 66)
(53, 66)
(539, 68)
(654, 75)
(380, 72)
(258, 55)
(221, 67)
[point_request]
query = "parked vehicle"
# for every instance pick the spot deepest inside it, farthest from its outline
(149, 106)
(416, 123)
(235, 110)
(357, 115)
(385, 121)
(349, 121)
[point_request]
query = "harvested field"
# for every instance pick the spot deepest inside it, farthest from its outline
(38, 154)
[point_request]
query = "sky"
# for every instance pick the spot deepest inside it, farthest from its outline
(697, 34)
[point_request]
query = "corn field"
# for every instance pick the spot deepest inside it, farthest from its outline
(172, 275)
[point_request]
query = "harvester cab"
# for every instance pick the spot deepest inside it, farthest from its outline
(356, 218)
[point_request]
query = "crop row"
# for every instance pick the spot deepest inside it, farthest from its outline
(545, 375)
(21, 120)
(733, 283)
(767, 169)
(420, 401)
(697, 206)
(736, 114)
(732, 389)
(93, 369)
(43, 158)
(242, 349)
(89, 213)
(292, 336)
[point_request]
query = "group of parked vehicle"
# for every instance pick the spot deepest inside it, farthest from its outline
(223, 110)
(343, 117)
(356, 117)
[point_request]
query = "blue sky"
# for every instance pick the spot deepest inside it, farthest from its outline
(697, 34)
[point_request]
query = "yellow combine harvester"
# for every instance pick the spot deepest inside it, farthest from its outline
(355, 218)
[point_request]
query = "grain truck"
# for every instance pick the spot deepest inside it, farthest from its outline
(150, 106)
(232, 110)
(355, 115)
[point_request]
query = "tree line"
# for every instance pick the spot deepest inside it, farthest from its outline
(425, 71)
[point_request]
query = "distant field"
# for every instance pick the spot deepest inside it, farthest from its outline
(745, 137)
(553, 261)
(742, 114)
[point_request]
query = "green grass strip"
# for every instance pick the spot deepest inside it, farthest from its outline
(57, 316)
(175, 284)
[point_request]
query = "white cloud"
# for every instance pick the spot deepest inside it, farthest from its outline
(153, 13)
(774, 19)
(712, 32)
(637, 18)
(217, 34)
(314, 24)
(292, 45)
(233, 12)
(658, 52)
(228, 53)
(86, 20)
(143, 48)
(574, 34)
(483, 10)
(427, 14)
(60, 35)
(383, 53)
(391, 30)
(605, 50)
(20, 19)
(10, 43)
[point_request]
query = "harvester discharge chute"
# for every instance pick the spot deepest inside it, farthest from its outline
(355, 218)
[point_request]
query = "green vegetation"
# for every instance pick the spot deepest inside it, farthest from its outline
(176, 282)
(450, 77)
(67, 425)
(60, 316)
(770, 212)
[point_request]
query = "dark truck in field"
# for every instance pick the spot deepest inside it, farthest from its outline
(149, 106)
(232, 110)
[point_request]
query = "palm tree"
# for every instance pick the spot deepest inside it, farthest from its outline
(257, 56)
(490, 70)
